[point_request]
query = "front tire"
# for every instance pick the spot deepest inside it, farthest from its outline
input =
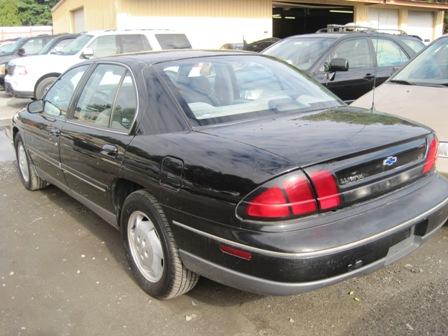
(27, 171)
(43, 86)
(151, 250)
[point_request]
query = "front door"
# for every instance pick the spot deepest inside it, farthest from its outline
(358, 80)
(43, 130)
(94, 140)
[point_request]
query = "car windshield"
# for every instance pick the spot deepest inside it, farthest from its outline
(300, 52)
(428, 68)
(10, 47)
(220, 89)
(76, 45)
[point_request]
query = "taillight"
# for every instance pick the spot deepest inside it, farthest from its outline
(292, 196)
(326, 189)
(431, 156)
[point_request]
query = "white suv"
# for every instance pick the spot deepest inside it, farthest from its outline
(31, 77)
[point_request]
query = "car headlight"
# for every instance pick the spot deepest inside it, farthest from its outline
(2, 69)
(443, 149)
(20, 70)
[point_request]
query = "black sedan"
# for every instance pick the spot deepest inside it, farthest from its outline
(233, 166)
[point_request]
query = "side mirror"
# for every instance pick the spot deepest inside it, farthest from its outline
(21, 52)
(36, 106)
(87, 53)
(337, 64)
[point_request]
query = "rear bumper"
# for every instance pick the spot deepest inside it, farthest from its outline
(406, 224)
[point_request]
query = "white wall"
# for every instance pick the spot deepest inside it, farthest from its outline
(13, 32)
(204, 32)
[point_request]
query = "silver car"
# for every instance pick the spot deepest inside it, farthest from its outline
(419, 92)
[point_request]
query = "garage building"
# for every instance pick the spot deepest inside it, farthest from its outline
(211, 23)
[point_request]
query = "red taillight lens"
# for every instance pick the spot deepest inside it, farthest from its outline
(300, 195)
(326, 189)
(431, 157)
(286, 197)
(270, 203)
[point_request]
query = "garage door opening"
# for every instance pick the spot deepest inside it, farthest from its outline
(294, 19)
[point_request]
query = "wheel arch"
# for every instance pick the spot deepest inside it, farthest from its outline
(121, 189)
(52, 74)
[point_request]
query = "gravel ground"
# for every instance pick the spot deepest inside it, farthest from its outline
(63, 272)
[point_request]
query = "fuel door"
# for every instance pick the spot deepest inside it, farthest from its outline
(172, 172)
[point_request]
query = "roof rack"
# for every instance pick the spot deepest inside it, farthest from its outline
(351, 28)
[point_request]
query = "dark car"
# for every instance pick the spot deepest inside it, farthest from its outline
(267, 183)
(22, 47)
(260, 45)
(372, 57)
(57, 43)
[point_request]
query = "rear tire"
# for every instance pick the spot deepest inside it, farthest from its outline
(151, 250)
(27, 171)
(43, 86)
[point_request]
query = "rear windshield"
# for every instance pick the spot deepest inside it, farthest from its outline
(301, 52)
(173, 41)
(76, 45)
(220, 89)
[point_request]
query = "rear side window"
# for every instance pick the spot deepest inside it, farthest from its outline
(133, 43)
(97, 98)
(388, 53)
(356, 51)
(125, 105)
(173, 41)
(415, 45)
(105, 46)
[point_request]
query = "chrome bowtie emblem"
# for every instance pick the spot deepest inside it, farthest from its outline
(390, 161)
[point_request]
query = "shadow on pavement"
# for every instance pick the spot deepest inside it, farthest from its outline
(206, 291)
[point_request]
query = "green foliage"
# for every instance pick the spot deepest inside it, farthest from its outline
(9, 14)
(26, 12)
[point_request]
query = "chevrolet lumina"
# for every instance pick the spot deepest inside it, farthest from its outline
(232, 166)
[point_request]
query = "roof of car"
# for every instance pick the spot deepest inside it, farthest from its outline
(154, 57)
(347, 34)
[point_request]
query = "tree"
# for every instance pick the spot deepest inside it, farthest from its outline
(32, 12)
(9, 13)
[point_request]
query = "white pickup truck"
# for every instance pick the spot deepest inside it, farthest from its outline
(31, 77)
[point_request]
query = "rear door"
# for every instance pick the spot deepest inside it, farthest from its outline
(43, 130)
(351, 84)
(390, 57)
(94, 140)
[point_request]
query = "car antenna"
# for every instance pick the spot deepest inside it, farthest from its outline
(375, 70)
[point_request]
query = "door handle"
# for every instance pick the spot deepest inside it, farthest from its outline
(55, 132)
(110, 150)
(369, 76)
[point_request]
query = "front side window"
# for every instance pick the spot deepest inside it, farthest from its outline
(133, 43)
(97, 99)
(57, 99)
(356, 51)
(221, 89)
(33, 46)
(105, 46)
(388, 53)
(430, 67)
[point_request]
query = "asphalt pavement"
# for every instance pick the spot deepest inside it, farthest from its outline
(63, 272)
